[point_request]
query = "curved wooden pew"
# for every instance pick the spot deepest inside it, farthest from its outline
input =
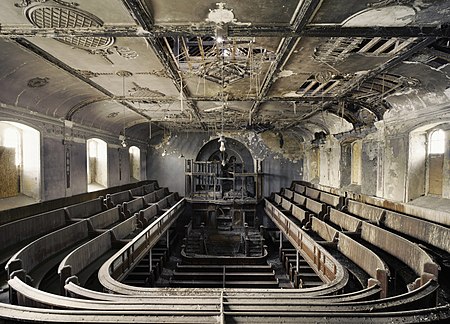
(30, 296)
(147, 215)
(366, 259)
(36, 315)
(86, 209)
(433, 234)
(15, 235)
(77, 260)
(122, 231)
(424, 297)
(118, 198)
(118, 266)
(325, 265)
(406, 251)
(33, 258)
(106, 219)
(131, 207)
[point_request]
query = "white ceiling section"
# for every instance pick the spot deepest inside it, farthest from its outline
(195, 65)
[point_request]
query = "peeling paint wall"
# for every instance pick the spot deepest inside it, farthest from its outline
(369, 163)
(330, 156)
(394, 161)
(446, 171)
(54, 171)
(396, 153)
(78, 172)
(417, 165)
(345, 164)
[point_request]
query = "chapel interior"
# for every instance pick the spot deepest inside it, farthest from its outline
(272, 161)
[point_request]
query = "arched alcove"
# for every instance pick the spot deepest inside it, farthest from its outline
(234, 151)
(20, 160)
(97, 164)
(135, 163)
(428, 161)
(223, 169)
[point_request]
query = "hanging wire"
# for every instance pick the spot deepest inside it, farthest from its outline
(123, 96)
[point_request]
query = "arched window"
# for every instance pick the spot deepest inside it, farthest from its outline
(436, 151)
(437, 142)
(97, 164)
(135, 163)
(20, 160)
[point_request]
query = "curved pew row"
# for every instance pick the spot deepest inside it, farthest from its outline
(86, 209)
(301, 207)
(327, 198)
(364, 258)
(32, 297)
(404, 209)
(34, 315)
(17, 234)
(350, 223)
(39, 256)
(430, 233)
(369, 293)
(419, 228)
(144, 190)
(326, 266)
(79, 259)
(424, 297)
(415, 257)
(119, 265)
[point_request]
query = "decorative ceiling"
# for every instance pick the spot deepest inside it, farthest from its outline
(304, 66)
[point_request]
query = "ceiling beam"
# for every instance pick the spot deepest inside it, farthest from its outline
(311, 30)
(144, 18)
(357, 82)
(304, 15)
(305, 99)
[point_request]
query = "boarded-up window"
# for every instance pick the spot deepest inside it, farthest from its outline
(8, 171)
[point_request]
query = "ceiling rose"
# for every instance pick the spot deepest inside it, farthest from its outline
(52, 15)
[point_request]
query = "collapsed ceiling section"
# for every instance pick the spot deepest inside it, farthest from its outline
(286, 65)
